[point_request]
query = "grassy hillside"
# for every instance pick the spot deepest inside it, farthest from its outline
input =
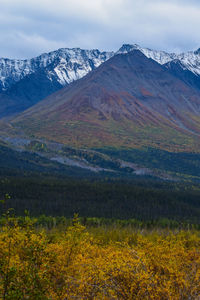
(92, 131)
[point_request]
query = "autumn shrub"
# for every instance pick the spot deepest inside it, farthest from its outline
(81, 264)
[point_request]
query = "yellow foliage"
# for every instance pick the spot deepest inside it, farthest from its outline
(78, 265)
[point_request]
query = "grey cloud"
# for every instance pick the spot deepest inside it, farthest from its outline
(28, 28)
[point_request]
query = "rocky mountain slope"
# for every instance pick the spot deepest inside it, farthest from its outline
(130, 100)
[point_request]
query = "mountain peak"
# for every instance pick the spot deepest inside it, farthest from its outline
(127, 48)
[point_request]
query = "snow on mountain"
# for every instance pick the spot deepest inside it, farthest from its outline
(191, 61)
(67, 65)
(188, 60)
(161, 57)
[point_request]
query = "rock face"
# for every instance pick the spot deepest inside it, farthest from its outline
(128, 100)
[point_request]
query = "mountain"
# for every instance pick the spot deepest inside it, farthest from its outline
(67, 65)
(177, 68)
(28, 91)
(8, 105)
(189, 60)
(185, 66)
(25, 82)
(129, 101)
(161, 57)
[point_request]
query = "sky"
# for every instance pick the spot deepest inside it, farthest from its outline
(31, 27)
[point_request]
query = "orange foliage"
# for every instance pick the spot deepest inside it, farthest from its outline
(78, 265)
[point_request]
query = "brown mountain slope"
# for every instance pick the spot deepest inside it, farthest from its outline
(129, 101)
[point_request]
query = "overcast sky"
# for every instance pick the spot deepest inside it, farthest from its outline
(31, 27)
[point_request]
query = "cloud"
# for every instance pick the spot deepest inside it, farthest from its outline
(28, 28)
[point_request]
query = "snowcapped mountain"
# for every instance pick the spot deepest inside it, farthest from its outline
(189, 60)
(66, 65)
(161, 57)
(23, 83)
(26, 82)
(185, 66)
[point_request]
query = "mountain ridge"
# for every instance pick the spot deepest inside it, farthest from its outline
(13, 70)
(25, 82)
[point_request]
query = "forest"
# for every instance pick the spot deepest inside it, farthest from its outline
(141, 199)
